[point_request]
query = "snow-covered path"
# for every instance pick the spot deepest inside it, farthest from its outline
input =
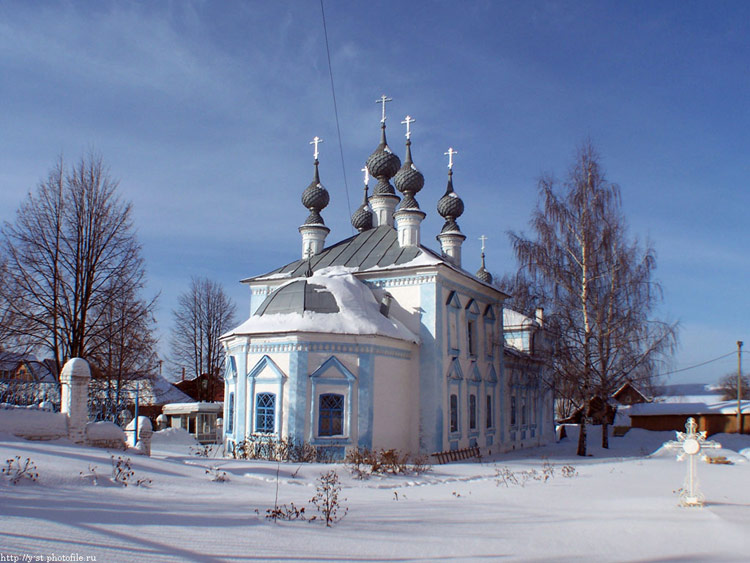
(620, 508)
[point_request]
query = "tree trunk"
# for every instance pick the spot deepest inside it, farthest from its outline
(582, 438)
(605, 435)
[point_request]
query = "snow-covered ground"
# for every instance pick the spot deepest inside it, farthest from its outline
(621, 506)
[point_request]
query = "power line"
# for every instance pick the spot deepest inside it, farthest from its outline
(733, 353)
(335, 109)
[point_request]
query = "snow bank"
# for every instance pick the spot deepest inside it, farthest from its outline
(173, 436)
(33, 423)
(105, 434)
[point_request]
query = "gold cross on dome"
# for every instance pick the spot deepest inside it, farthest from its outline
(383, 100)
(408, 121)
(450, 154)
(316, 141)
(483, 239)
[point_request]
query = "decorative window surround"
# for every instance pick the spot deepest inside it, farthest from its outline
(268, 374)
(453, 305)
(332, 377)
(471, 313)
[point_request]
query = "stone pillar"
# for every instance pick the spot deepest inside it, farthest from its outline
(141, 442)
(74, 382)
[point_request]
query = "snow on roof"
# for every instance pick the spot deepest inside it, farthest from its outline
(359, 312)
(185, 408)
(696, 408)
(514, 319)
(687, 393)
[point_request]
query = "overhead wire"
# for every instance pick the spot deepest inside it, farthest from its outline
(734, 353)
(335, 109)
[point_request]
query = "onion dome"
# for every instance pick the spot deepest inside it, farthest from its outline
(315, 198)
(383, 165)
(408, 181)
(450, 207)
(483, 274)
(362, 217)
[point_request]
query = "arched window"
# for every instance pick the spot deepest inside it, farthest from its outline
(454, 413)
(331, 415)
(472, 412)
(230, 414)
(265, 413)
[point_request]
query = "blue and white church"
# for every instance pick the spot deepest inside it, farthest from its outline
(377, 341)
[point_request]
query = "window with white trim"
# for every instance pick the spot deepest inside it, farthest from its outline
(331, 414)
(265, 413)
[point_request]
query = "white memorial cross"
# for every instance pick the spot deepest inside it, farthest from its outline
(690, 444)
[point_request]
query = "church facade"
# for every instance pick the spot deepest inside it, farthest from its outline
(378, 341)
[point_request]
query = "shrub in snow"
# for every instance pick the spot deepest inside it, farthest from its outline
(217, 474)
(285, 512)
(284, 449)
(326, 499)
(568, 471)
(16, 470)
(123, 474)
(363, 462)
(506, 476)
(201, 451)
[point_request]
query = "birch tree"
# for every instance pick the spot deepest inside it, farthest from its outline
(597, 286)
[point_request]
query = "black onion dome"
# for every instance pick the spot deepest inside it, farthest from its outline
(382, 163)
(315, 198)
(483, 274)
(450, 206)
(362, 218)
(408, 179)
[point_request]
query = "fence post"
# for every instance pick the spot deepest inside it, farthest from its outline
(74, 394)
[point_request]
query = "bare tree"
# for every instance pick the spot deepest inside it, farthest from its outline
(728, 387)
(204, 312)
(71, 253)
(123, 351)
(598, 287)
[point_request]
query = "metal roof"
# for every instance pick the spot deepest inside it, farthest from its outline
(374, 247)
(297, 297)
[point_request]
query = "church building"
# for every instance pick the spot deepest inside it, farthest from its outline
(377, 341)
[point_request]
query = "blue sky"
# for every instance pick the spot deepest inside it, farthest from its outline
(204, 111)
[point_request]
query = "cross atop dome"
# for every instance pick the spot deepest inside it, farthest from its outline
(408, 121)
(450, 154)
(316, 141)
(383, 100)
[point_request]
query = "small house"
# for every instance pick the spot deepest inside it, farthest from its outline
(199, 419)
